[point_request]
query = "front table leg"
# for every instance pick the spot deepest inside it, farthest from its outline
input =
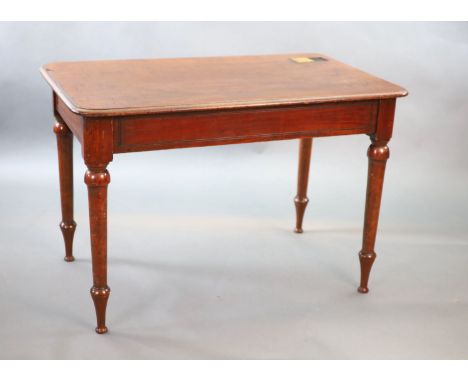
(97, 179)
(378, 154)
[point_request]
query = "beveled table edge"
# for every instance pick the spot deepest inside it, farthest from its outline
(214, 106)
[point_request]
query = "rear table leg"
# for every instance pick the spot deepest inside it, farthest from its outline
(65, 160)
(301, 200)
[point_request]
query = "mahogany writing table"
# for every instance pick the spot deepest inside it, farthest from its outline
(114, 107)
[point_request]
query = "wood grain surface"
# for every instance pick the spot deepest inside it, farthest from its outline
(135, 87)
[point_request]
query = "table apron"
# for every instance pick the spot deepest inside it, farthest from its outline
(167, 131)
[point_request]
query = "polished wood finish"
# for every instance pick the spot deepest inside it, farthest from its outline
(97, 178)
(241, 126)
(138, 105)
(97, 153)
(301, 200)
(137, 87)
(65, 160)
(73, 121)
(378, 153)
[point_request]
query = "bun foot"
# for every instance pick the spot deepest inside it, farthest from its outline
(298, 230)
(69, 259)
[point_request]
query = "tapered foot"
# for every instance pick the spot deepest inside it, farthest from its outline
(301, 204)
(366, 260)
(100, 297)
(68, 231)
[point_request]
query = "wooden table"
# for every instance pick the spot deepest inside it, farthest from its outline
(115, 107)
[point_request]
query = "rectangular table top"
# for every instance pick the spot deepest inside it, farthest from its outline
(138, 87)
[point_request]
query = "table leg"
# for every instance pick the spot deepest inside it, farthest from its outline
(65, 160)
(378, 154)
(97, 179)
(301, 200)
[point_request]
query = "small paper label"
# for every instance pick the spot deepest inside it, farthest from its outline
(304, 60)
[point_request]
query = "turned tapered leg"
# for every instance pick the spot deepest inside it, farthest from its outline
(378, 154)
(301, 200)
(97, 180)
(65, 159)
